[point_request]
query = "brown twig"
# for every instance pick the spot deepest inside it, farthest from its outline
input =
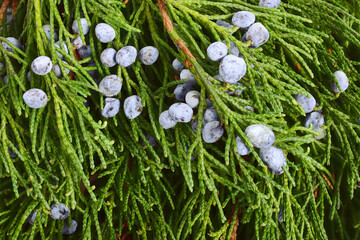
(118, 236)
(169, 28)
(14, 6)
(176, 77)
(327, 181)
(3, 8)
(236, 225)
(316, 192)
(125, 2)
(329, 51)
(166, 19)
(76, 55)
(125, 236)
(78, 58)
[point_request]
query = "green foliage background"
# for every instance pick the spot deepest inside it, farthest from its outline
(115, 186)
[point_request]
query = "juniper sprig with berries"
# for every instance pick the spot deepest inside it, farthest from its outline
(179, 119)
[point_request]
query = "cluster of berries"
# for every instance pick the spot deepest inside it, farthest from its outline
(180, 112)
(231, 69)
(232, 66)
(263, 137)
(212, 129)
(315, 118)
(109, 86)
(57, 212)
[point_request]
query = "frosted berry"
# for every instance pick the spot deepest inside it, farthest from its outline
(210, 115)
(209, 103)
(94, 74)
(59, 212)
(342, 80)
(35, 98)
(126, 56)
(111, 107)
(274, 159)
(28, 76)
(84, 25)
(243, 19)
(104, 32)
(166, 121)
(41, 65)
(152, 141)
(67, 230)
(110, 85)
(308, 104)
(84, 52)
(232, 68)
(6, 81)
(57, 70)
(193, 157)
(177, 65)
(322, 133)
(86, 103)
(212, 132)
(181, 112)
(186, 74)
(12, 153)
(31, 218)
(194, 125)
(250, 108)
(236, 92)
(280, 216)
(13, 41)
(224, 24)
(242, 149)
(218, 77)
(47, 31)
(132, 107)
(216, 51)
(77, 42)
(257, 34)
(148, 55)
(9, 16)
(314, 118)
(233, 49)
(192, 98)
(269, 3)
(181, 90)
(260, 136)
(107, 57)
(63, 47)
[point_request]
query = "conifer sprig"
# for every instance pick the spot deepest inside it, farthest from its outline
(117, 184)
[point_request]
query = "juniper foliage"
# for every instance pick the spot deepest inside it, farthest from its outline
(118, 185)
